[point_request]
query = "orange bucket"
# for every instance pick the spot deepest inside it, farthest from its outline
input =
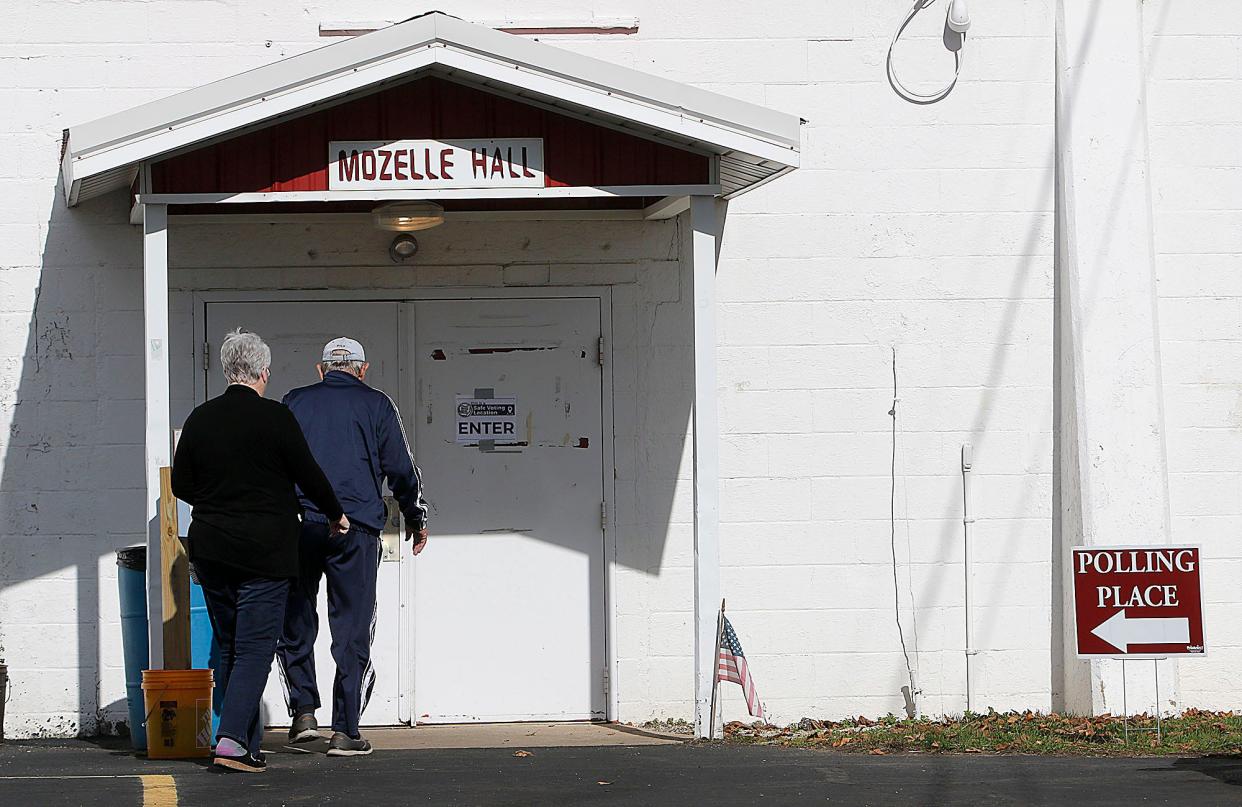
(178, 708)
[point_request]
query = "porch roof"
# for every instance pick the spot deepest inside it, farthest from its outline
(753, 144)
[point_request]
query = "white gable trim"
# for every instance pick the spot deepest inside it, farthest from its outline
(700, 131)
(151, 143)
(103, 155)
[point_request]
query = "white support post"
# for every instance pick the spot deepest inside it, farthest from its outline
(1112, 473)
(705, 231)
(158, 434)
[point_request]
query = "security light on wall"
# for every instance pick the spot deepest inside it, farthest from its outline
(404, 217)
(403, 248)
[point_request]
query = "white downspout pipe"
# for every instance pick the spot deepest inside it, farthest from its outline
(968, 521)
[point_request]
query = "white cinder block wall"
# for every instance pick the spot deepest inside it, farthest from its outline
(921, 230)
(1194, 93)
(924, 232)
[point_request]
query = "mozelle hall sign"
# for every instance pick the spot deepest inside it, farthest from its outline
(426, 164)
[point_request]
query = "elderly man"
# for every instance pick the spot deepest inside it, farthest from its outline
(355, 433)
(237, 463)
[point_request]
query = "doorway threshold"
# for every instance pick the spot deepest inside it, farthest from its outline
(487, 735)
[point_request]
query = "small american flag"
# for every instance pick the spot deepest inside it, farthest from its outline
(731, 666)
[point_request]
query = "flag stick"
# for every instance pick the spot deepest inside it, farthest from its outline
(711, 730)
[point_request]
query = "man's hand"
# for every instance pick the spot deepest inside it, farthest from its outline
(419, 537)
(340, 526)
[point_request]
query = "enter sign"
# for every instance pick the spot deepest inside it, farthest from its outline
(1137, 601)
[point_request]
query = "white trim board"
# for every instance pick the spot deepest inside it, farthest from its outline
(666, 208)
(628, 214)
(608, 191)
(594, 26)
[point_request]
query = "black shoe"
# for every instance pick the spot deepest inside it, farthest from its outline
(342, 745)
(250, 763)
(304, 729)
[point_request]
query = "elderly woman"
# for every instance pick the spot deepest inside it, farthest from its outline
(238, 460)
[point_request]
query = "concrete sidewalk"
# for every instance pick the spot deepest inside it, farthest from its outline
(660, 775)
(488, 735)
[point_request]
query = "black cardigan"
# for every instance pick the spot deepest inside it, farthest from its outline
(237, 462)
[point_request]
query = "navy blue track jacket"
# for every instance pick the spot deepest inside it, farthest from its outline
(356, 435)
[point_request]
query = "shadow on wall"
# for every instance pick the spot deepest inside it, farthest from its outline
(72, 484)
(73, 460)
(1071, 676)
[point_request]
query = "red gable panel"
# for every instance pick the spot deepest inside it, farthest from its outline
(293, 155)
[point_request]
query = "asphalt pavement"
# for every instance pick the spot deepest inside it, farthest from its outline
(53, 773)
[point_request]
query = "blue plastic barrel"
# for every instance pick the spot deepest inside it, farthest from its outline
(131, 576)
(203, 649)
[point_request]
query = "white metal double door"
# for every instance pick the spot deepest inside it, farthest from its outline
(504, 614)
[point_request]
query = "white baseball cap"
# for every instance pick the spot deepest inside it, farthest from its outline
(343, 348)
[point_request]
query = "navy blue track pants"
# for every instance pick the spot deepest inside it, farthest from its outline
(246, 614)
(351, 564)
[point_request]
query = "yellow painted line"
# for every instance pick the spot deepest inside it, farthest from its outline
(83, 776)
(158, 790)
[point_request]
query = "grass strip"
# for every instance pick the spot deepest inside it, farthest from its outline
(1194, 732)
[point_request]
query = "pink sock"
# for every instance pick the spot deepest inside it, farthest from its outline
(229, 748)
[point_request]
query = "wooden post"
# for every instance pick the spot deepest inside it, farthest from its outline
(175, 577)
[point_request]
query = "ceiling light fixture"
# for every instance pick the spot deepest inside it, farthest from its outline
(404, 217)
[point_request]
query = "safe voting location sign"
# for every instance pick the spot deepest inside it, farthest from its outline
(480, 419)
(1137, 601)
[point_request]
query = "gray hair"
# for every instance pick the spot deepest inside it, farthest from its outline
(354, 368)
(343, 365)
(244, 356)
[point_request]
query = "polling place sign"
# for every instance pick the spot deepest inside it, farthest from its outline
(1137, 601)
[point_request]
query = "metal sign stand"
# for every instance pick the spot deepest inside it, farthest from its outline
(1125, 708)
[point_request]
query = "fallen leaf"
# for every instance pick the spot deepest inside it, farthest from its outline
(878, 751)
(602, 782)
(522, 754)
